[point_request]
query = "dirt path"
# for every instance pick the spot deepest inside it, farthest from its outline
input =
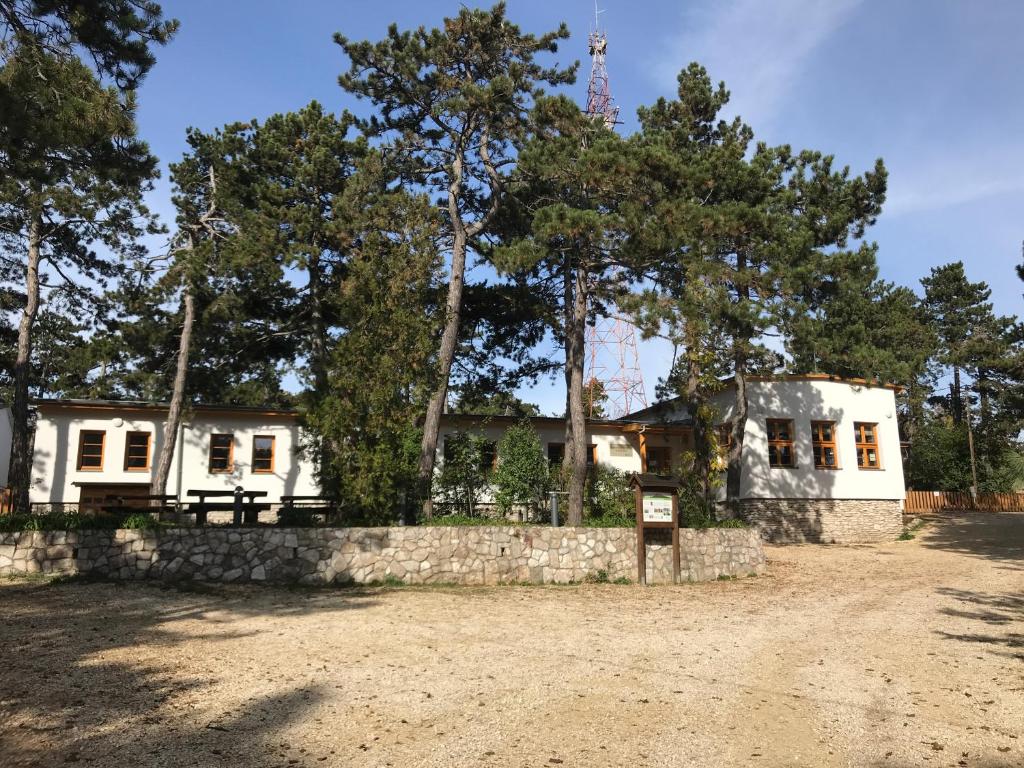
(904, 654)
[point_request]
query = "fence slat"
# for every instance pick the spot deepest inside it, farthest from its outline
(932, 501)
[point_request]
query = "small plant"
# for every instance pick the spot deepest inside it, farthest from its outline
(622, 580)
(601, 577)
(140, 521)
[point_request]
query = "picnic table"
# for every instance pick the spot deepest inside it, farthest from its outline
(243, 504)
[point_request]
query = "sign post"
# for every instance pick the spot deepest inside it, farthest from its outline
(657, 506)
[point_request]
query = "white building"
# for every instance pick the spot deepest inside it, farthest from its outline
(821, 456)
(86, 450)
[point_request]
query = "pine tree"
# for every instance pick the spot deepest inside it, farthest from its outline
(453, 101)
(72, 175)
(382, 353)
(962, 316)
(116, 36)
(748, 234)
(571, 178)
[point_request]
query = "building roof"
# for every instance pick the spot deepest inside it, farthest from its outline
(503, 419)
(654, 408)
(149, 405)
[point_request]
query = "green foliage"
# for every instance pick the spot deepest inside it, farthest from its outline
(464, 474)
(940, 461)
(140, 521)
(521, 478)
(609, 500)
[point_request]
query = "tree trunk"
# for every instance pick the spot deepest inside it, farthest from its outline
(738, 422)
(163, 466)
(956, 397)
(576, 454)
(696, 404)
(737, 428)
(21, 443)
(449, 342)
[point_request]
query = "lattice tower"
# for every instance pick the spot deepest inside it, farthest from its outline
(613, 363)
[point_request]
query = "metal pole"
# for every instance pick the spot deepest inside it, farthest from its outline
(554, 509)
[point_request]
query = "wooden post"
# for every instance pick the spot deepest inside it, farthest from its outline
(660, 485)
(641, 546)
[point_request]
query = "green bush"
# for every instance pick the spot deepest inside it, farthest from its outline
(464, 474)
(521, 478)
(609, 501)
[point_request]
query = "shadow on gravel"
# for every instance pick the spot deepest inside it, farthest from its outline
(995, 612)
(993, 535)
(63, 701)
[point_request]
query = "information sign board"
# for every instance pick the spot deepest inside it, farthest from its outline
(657, 508)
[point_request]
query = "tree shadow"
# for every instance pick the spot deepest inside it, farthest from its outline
(995, 536)
(82, 683)
(996, 612)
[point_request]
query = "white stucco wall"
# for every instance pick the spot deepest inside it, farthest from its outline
(5, 445)
(802, 401)
(604, 437)
(55, 475)
(805, 401)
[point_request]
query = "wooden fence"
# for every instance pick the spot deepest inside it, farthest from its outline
(936, 501)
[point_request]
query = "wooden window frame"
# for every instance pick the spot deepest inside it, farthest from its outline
(779, 444)
(149, 451)
(231, 454)
(657, 448)
(863, 446)
(818, 442)
(723, 434)
(273, 454)
(81, 446)
(592, 454)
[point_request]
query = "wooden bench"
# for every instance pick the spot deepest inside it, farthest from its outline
(295, 507)
(243, 505)
(159, 503)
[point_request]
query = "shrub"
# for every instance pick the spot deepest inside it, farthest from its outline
(609, 500)
(464, 473)
(521, 478)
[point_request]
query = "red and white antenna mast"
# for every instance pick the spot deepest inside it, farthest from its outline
(613, 361)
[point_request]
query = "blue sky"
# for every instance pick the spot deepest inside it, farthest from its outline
(932, 86)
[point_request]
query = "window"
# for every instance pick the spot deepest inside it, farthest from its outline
(263, 453)
(136, 451)
(867, 445)
(488, 456)
(222, 453)
(659, 459)
(823, 440)
(90, 450)
(780, 443)
(556, 454)
(724, 434)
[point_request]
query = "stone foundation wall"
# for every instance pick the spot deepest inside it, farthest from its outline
(414, 555)
(824, 521)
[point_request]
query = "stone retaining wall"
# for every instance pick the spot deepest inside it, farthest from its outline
(824, 521)
(414, 555)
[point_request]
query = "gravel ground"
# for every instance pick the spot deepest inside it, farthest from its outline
(902, 654)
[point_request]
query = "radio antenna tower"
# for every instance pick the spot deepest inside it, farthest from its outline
(613, 362)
